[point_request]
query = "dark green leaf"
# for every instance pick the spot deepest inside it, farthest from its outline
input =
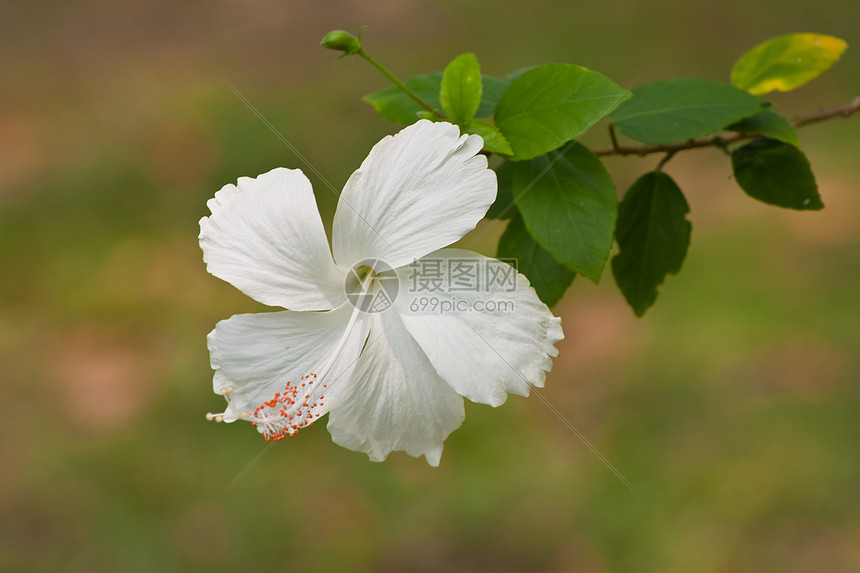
(569, 206)
(494, 141)
(461, 88)
(769, 124)
(548, 277)
(776, 173)
(786, 62)
(520, 71)
(494, 88)
(503, 207)
(553, 104)
(395, 106)
(678, 109)
(653, 235)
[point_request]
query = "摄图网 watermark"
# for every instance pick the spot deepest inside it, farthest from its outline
(434, 285)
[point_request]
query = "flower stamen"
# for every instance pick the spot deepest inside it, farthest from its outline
(289, 411)
(300, 404)
(228, 415)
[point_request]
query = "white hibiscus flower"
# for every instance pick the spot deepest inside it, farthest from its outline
(390, 378)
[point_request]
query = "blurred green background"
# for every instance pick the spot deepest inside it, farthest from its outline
(732, 406)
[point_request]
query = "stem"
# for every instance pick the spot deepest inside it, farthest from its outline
(721, 141)
(612, 139)
(396, 81)
(665, 159)
(843, 110)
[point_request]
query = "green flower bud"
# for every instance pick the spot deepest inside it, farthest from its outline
(343, 41)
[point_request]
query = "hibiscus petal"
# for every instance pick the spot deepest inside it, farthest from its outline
(255, 355)
(394, 399)
(266, 238)
(417, 191)
(486, 341)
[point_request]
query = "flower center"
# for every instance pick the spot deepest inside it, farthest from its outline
(371, 285)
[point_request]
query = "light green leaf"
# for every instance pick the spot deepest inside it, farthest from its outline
(548, 277)
(461, 88)
(553, 104)
(569, 206)
(769, 124)
(677, 109)
(395, 106)
(653, 235)
(776, 173)
(494, 141)
(786, 62)
(503, 207)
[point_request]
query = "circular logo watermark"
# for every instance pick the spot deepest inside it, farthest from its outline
(371, 285)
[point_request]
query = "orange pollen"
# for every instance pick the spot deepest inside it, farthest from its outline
(287, 413)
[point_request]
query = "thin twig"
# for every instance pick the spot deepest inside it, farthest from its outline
(665, 160)
(843, 110)
(613, 140)
(722, 140)
(396, 81)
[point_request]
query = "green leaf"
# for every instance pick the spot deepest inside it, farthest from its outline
(569, 206)
(769, 124)
(553, 104)
(653, 235)
(520, 71)
(494, 88)
(548, 277)
(395, 106)
(677, 109)
(461, 88)
(776, 173)
(494, 141)
(503, 207)
(786, 62)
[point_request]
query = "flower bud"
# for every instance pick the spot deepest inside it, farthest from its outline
(343, 41)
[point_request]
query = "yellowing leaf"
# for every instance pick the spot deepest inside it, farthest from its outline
(786, 62)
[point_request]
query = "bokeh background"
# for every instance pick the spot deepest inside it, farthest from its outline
(732, 406)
